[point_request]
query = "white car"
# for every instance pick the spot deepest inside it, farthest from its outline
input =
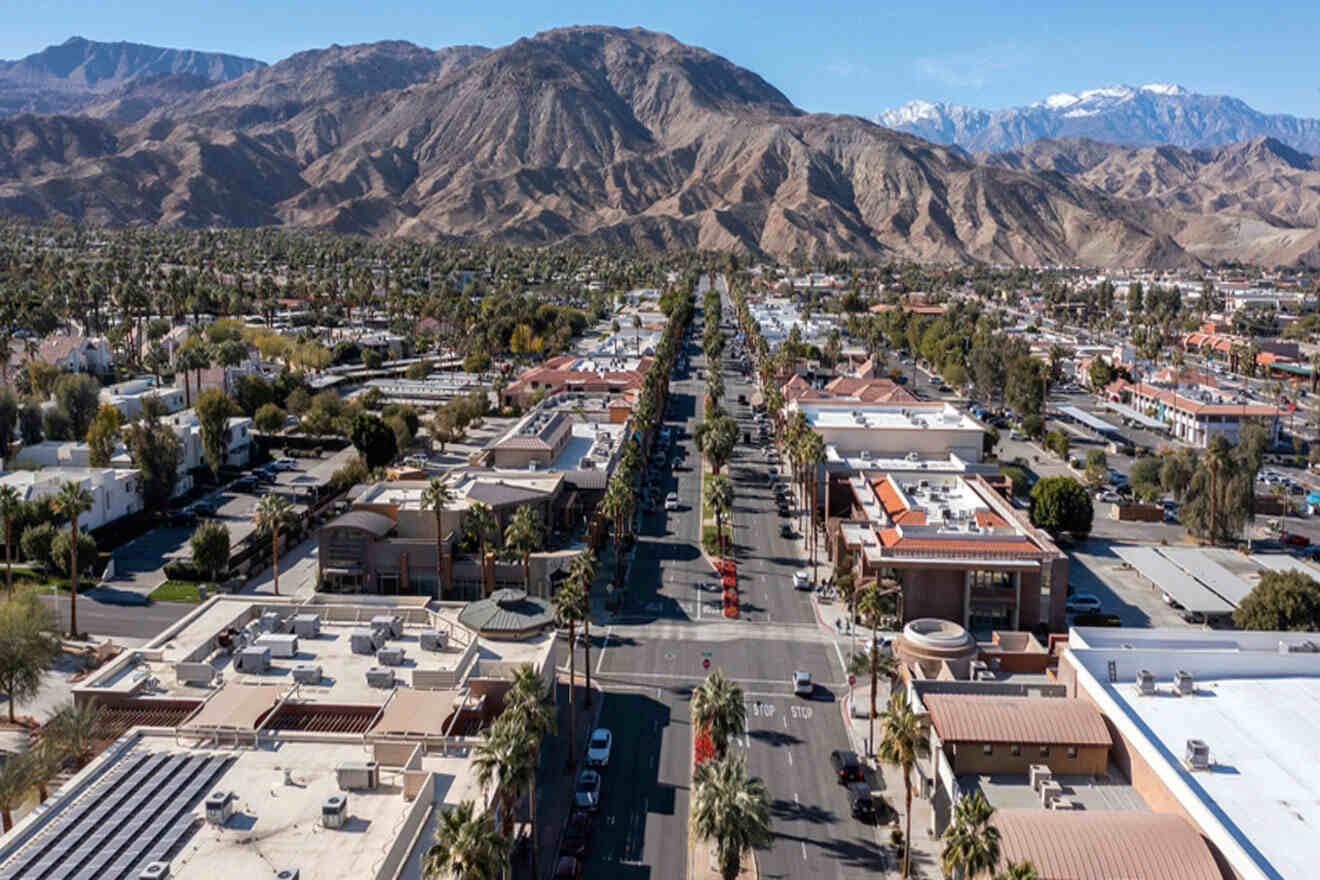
(801, 580)
(285, 464)
(1083, 603)
(586, 795)
(598, 748)
(802, 685)
(671, 501)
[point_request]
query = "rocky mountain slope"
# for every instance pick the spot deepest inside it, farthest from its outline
(598, 134)
(67, 77)
(1151, 115)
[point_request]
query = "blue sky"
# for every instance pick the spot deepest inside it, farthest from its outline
(844, 56)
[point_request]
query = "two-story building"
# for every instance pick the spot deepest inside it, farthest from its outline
(116, 492)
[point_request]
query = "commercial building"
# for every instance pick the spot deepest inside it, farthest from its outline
(279, 739)
(575, 434)
(1194, 422)
(894, 430)
(602, 375)
(998, 734)
(115, 492)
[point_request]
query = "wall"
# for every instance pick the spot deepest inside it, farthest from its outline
(971, 758)
(1137, 512)
(932, 592)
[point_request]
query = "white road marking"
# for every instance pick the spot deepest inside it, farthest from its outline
(842, 665)
(804, 850)
(600, 661)
(790, 758)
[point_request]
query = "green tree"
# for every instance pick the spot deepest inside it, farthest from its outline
(28, 645)
(530, 714)
(273, 514)
(36, 542)
(1023, 870)
(480, 521)
(436, 497)
(583, 569)
(524, 536)
(269, 418)
(17, 776)
(871, 606)
(732, 809)
(719, 495)
(154, 450)
(213, 409)
(71, 502)
(101, 436)
(75, 730)
(29, 423)
(717, 706)
(61, 552)
(210, 548)
(79, 396)
(902, 743)
(1281, 601)
(971, 843)
(1061, 504)
(503, 765)
(1058, 443)
(1145, 476)
(8, 419)
(1033, 426)
(10, 504)
(373, 440)
(466, 847)
(42, 378)
(571, 606)
(716, 440)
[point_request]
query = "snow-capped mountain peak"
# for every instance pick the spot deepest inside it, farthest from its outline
(1062, 99)
(1164, 89)
(911, 112)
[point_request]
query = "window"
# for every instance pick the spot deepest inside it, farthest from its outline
(988, 749)
(1044, 751)
(1072, 751)
(1016, 749)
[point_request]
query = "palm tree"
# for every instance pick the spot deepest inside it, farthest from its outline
(813, 457)
(971, 843)
(16, 779)
(583, 569)
(1216, 458)
(719, 495)
(717, 705)
(569, 604)
(9, 504)
(480, 520)
(1023, 870)
(871, 606)
(902, 743)
(505, 763)
(72, 501)
(273, 513)
(75, 729)
(524, 536)
(437, 496)
(530, 712)
(732, 809)
(466, 847)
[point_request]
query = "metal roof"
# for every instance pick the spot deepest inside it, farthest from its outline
(1190, 593)
(1046, 720)
(1195, 562)
(1104, 844)
(1100, 426)
(368, 521)
(508, 612)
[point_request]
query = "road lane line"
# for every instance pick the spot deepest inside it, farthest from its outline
(804, 849)
(842, 665)
(603, 648)
(790, 758)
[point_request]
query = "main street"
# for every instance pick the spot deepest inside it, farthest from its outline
(652, 656)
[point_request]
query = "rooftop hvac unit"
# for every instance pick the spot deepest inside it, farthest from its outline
(307, 626)
(271, 622)
(393, 621)
(433, 640)
(253, 660)
(1183, 682)
(1146, 683)
(280, 644)
(334, 811)
(219, 807)
(363, 641)
(286, 874)
(390, 656)
(155, 871)
(358, 775)
(1198, 754)
(380, 677)
(307, 673)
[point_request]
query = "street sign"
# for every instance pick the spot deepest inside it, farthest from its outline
(705, 664)
(852, 680)
(707, 654)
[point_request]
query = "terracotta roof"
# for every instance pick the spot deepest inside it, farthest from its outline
(1105, 844)
(1045, 720)
(989, 520)
(911, 518)
(888, 495)
(961, 545)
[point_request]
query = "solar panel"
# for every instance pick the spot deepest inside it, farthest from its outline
(127, 832)
(175, 818)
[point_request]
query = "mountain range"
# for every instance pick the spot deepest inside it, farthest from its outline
(1141, 116)
(623, 137)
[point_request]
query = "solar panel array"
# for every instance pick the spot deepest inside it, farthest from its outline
(140, 810)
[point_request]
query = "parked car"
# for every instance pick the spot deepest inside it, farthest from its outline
(586, 796)
(577, 835)
(1083, 603)
(786, 530)
(801, 580)
(802, 685)
(598, 749)
(1295, 540)
(860, 803)
(846, 765)
(671, 501)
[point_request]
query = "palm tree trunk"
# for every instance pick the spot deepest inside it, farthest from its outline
(874, 680)
(1214, 497)
(586, 650)
(73, 570)
(439, 553)
(275, 557)
(907, 821)
(7, 817)
(527, 573)
(9, 561)
(531, 813)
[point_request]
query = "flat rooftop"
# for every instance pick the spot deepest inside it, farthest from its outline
(589, 446)
(1012, 792)
(1257, 707)
(275, 822)
(888, 417)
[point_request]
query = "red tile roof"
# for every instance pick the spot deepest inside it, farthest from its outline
(989, 520)
(1104, 844)
(1044, 720)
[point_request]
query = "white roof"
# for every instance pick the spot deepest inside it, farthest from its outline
(1189, 592)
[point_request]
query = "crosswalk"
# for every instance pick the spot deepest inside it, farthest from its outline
(724, 631)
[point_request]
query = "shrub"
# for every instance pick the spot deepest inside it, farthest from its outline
(36, 543)
(63, 543)
(182, 570)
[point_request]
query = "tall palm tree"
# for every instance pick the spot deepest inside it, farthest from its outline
(719, 495)
(505, 763)
(9, 504)
(524, 536)
(466, 847)
(273, 513)
(971, 843)
(531, 714)
(72, 501)
(437, 496)
(583, 569)
(1023, 870)
(732, 809)
(813, 458)
(871, 606)
(480, 520)
(902, 743)
(75, 729)
(1215, 460)
(717, 705)
(569, 604)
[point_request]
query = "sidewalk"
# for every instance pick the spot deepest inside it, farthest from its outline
(297, 572)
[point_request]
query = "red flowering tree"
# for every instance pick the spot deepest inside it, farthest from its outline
(703, 748)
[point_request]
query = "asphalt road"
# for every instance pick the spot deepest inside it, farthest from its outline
(124, 621)
(651, 658)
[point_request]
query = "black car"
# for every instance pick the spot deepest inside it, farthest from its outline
(785, 530)
(860, 803)
(577, 836)
(846, 765)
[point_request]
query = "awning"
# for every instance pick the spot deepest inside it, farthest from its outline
(236, 707)
(417, 713)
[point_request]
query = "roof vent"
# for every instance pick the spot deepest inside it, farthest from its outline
(1198, 755)
(219, 807)
(1146, 683)
(1183, 683)
(334, 811)
(155, 871)
(286, 874)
